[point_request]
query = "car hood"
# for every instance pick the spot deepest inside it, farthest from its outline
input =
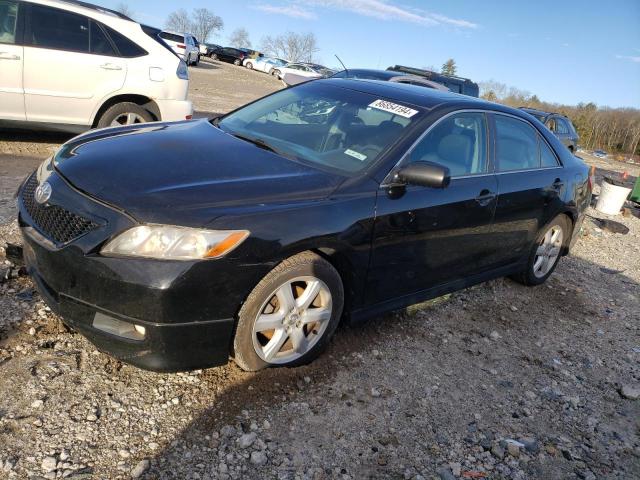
(185, 173)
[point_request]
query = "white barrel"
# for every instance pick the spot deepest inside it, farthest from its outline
(611, 198)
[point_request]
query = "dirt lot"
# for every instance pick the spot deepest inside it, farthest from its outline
(497, 381)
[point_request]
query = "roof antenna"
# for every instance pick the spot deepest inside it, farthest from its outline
(343, 66)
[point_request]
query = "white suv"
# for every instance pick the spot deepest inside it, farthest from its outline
(82, 66)
(184, 45)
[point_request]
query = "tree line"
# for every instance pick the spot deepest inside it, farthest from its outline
(611, 129)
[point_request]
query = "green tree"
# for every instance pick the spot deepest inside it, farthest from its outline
(449, 67)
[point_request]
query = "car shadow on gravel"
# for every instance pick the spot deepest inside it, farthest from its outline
(458, 332)
(33, 136)
(207, 65)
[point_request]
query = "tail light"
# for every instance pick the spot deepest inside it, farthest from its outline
(181, 46)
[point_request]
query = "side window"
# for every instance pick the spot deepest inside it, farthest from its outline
(8, 21)
(562, 126)
(516, 145)
(58, 30)
(547, 157)
(458, 142)
(126, 47)
(99, 44)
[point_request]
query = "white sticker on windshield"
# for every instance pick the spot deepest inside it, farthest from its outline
(354, 154)
(390, 107)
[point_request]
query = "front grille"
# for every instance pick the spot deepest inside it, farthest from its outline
(54, 222)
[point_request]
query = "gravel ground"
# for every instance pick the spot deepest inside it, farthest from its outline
(496, 381)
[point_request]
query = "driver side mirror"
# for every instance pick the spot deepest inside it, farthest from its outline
(425, 174)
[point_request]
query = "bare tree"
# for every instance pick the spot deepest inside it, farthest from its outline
(179, 21)
(240, 38)
(449, 67)
(124, 9)
(295, 47)
(205, 23)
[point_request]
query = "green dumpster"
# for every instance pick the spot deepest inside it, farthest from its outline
(635, 193)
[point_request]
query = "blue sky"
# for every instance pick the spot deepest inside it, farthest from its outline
(567, 52)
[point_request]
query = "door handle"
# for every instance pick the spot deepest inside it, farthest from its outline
(8, 56)
(110, 66)
(485, 197)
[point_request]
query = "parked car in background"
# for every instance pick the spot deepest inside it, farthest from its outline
(229, 54)
(559, 124)
(250, 53)
(295, 73)
(208, 48)
(389, 76)
(263, 64)
(600, 153)
(184, 44)
(455, 84)
(352, 198)
(73, 66)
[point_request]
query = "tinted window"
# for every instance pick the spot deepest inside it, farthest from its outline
(57, 29)
(172, 37)
(458, 142)
(99, 43)
(126, 47)
(562, 126)
(516, 144)
(547, 157)
(8, 21)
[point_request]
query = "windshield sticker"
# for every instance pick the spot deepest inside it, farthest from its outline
(354, 154)
(405, 112)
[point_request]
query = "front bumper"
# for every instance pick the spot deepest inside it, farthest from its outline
(187, 308)
(175, 110)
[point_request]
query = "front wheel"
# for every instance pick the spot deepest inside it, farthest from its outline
(236, 62)
(546, 252)
(289, 317)
(275, 73)
(214, 56)
(250, 65)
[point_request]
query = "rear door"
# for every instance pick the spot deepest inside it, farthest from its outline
(11, 62)
(530, 186)
(70, 65)
(425, 237)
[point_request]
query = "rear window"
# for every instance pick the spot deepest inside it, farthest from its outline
(126, 47)
(172, 37)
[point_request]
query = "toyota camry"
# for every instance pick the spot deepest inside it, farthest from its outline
(175, 246)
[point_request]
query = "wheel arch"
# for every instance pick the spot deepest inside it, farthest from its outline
(141, 100)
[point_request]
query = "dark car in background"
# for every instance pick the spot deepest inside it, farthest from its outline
(207, 49)
(229, 54)
(388, 76)
(559, 124)
(455, 84)
(175, 245)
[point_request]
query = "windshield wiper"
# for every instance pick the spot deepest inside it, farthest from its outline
(258, 142)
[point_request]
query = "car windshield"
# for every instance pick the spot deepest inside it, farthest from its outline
(325, 125)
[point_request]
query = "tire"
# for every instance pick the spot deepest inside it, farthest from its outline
(540, 267)
(214, 56)
(249, 65)
(275, 73)
(195, 64)
(255, 348)
(130, 113)
(236, 62)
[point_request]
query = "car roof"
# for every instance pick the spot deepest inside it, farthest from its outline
(80, 6)
(418, 95)
(381, 73)
(540, 112)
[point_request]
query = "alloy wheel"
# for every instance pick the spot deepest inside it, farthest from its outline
(127, 118)
(548, 251)
(292, 320)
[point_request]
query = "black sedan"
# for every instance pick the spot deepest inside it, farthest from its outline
(176, 245)
(228, 54)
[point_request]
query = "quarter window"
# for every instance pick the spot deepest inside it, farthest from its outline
(58, 29)
(100, 44)
(126, 47)
(8, 21)
(458, 142)
(516, 145)
(547, 157)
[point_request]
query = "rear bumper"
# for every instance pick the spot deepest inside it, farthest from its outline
(175, 110)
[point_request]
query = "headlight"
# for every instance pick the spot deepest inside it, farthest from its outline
(174, 243)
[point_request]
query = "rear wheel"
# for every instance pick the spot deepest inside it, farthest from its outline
(125, 113)
(275, 73)
(290, 315)
(546, 252)
(214, 56)
(236, 62)
(250, 65)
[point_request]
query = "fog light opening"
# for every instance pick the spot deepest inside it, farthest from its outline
(119, 328)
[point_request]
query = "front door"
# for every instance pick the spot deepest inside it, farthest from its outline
(70, 66)
(11, 61)
(425, 237)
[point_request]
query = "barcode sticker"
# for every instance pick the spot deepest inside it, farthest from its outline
(391, 107)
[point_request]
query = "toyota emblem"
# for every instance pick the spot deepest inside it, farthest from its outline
(43, 193)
